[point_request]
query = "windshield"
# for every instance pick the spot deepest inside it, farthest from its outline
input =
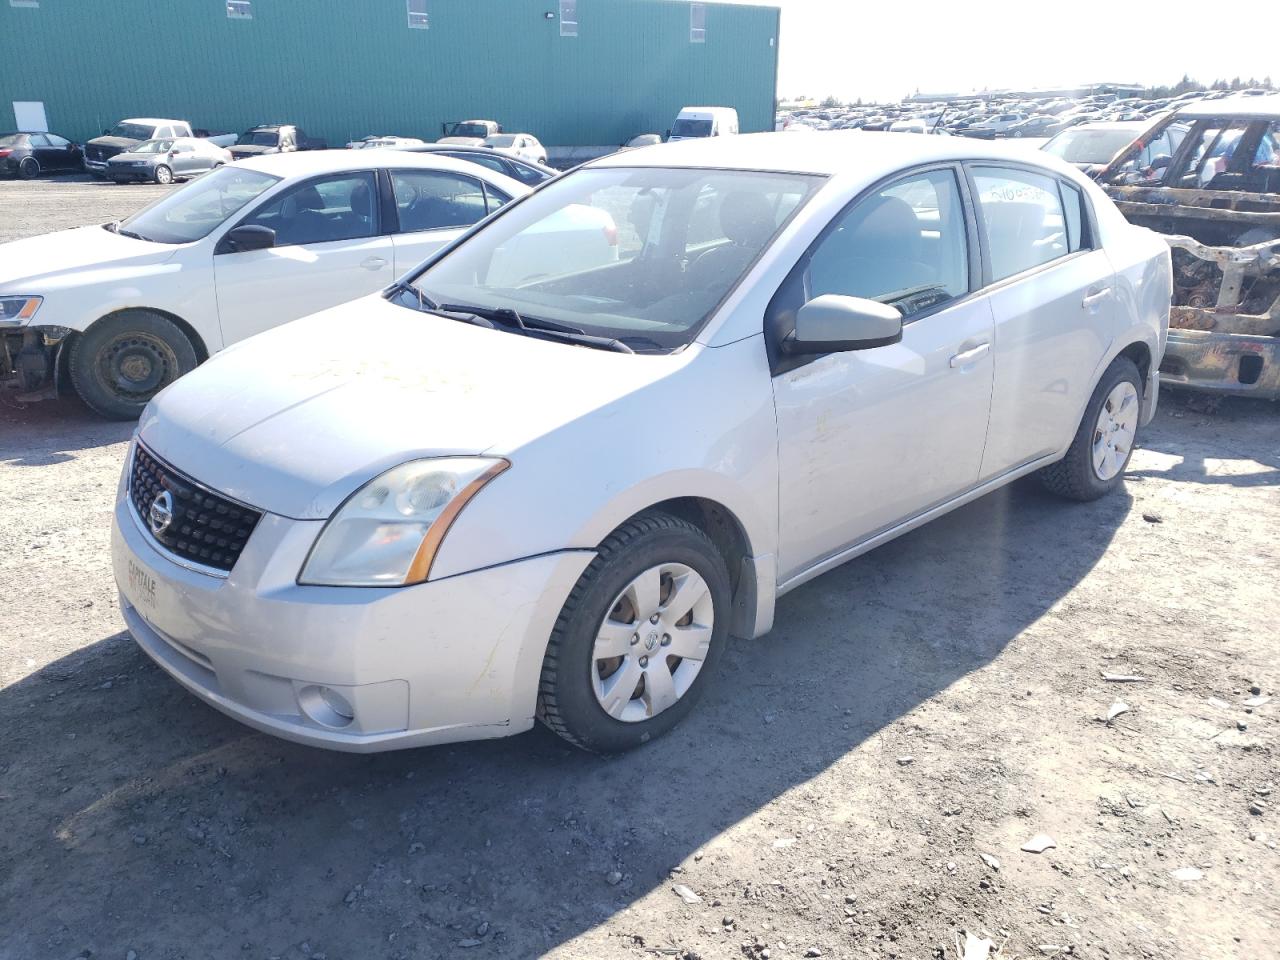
(1082, 145)
(12, 139)
(132, 131)
(153, 146)
(193, 212)
(260, 138)
(469, 130)
(635, 254)
(684, 127)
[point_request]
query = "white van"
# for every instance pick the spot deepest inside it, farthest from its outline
(695, 122)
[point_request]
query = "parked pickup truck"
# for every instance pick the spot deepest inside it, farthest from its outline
(130, 133)
(470, 132)
(274, 138)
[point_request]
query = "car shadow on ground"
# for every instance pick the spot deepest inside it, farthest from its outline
(138, 818)
(53, 431)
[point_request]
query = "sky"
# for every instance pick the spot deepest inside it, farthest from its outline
(887, 49)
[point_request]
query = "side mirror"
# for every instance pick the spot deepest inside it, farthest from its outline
(251, 237)
(833, 323)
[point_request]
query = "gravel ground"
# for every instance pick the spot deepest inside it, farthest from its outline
(857, 784)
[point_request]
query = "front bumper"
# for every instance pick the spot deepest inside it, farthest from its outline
(454, 659)
(95, 166)
(1223, 363)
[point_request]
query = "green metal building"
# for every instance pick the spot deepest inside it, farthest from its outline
(571, 72)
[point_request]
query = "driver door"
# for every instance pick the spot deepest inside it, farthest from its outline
(329, 249)
(871, 438)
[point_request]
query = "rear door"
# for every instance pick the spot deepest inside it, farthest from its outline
(330, 248)
(1053, 299)
(434, 207)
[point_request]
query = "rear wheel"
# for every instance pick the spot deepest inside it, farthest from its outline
(163, 174)
(29, 168)
(124, 360)
(638, 637)
(1104, 442)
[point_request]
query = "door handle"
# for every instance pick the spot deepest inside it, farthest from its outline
(374, 263)
(970, 356)
(1096, 296)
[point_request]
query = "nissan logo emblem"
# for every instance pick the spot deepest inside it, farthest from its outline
(161, 513)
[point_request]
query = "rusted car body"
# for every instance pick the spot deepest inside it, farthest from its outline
(1217, 201)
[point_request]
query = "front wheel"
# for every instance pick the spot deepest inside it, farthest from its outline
(638, 637)
(1104, 442)
(164, 175)
(124, 360)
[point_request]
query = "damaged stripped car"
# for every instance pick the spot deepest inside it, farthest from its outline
(1217, 201)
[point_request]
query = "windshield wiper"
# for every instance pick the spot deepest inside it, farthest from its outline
(424, 302)
(534, 325)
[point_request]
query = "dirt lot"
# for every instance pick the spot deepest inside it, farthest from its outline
(137, 821)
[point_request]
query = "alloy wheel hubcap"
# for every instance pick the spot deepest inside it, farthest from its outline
(1114, 432)
(652, 642)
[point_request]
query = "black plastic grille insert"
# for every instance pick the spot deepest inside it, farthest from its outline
(205, 528)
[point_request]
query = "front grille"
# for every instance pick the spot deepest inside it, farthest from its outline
(206, 528)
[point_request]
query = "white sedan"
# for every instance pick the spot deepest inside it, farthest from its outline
(490, 496)
(253, 244)
(522, 146)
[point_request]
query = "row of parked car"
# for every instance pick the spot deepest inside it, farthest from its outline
(162, 150)
(998, 117)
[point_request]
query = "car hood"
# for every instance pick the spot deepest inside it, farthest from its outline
(72, 257)
(293, 421)
(252, 150)
(120, 143)
(127, 157)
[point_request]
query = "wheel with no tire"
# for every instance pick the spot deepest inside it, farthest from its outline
(29, 168)
(639, 636)
(163, 174)
(1104, 442)
(124, 360)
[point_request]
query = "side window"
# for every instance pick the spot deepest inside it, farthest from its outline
(494, 163)
(39, 140)
(1213, 144)
(906, 245)
(342, 207)
(431, 200)
(528, 175)
(1024, 220)
(1073, 216)
(495, 198)
(57, 141)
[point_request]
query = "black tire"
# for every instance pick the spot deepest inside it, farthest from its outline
(29, 168)
(124, 360)
(164, 175)
(566, 699)
(1073, 476)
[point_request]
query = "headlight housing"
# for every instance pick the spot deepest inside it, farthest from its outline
(388, 532)
(15, 311)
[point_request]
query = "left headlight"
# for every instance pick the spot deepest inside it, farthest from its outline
(388, 532)
(17, 310)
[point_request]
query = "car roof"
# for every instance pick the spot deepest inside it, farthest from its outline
(835, 152)
(153, 121)
(307, 163)
(469, 148)
(1237, 106)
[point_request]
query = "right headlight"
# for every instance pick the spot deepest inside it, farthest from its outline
(388, 532)
(18, 310)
